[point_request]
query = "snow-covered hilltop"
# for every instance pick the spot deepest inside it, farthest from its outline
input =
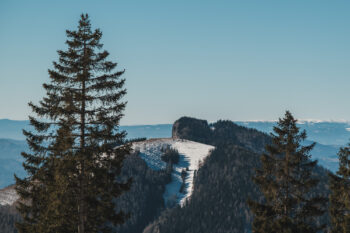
(8, 195)
(191, 153)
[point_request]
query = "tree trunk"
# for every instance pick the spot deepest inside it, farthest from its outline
(81, 206)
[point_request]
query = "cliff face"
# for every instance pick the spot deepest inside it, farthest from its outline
(191, 129)
(222, 131)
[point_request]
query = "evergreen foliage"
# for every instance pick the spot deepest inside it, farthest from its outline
(220, 132)
(170, 155)
(339, 208)
(8, 217)
(145, 199)
(285, 180)
(72, 167)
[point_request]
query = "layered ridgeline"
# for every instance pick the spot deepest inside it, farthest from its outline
(12, 129)
(205, 191)
(11, 160)
(12, 142)
(323, 132)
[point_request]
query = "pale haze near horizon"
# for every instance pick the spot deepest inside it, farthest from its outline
(207, 59)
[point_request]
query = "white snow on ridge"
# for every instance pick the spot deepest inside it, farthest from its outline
(191, 153)
(8, 196)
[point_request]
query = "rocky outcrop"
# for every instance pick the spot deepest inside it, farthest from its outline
(191, 129)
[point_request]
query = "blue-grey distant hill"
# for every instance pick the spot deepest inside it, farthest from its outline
(329, 136)
(327, 133)
(12, 143)
(11, 160)
(13, 130)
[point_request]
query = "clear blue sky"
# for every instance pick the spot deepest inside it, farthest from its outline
(238, 60)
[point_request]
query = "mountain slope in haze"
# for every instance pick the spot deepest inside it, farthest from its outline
(323, 132)
(11, 129)
(10, 149)
(224, 181)
(11, 160)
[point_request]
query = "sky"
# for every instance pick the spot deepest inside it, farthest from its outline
(237, 60)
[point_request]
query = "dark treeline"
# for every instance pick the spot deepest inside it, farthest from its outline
(144, 201)
(8, 217)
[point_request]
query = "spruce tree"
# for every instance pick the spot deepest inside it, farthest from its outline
(339, 208)
(74, 162)
(285, 180)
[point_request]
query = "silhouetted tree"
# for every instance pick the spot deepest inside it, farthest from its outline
(339, 208)
(72, 168)
(285, 181)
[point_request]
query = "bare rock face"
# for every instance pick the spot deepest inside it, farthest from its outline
(191, 129)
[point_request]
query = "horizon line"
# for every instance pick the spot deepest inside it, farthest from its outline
(299, 121)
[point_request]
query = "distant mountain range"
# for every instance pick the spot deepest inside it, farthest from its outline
(13, 130)
(323, 132)
(328, 135)
(11, 160)
(12, 143)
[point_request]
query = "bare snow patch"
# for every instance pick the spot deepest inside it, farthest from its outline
(8, 196)
(191, 153)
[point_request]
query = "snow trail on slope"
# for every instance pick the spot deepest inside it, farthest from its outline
(191, 153)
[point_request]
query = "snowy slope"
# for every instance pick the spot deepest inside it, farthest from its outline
(8, 195)
(191, 153)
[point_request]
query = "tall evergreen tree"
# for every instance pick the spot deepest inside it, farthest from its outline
(73, 164)
(339, 208)
(285, 179)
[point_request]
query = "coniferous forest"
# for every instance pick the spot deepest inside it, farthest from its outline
(82, 174)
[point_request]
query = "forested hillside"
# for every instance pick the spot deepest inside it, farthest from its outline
(144, 201)
(8, 217)
(224, 181)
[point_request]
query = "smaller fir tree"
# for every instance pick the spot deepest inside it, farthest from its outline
(285, 179)
(339, 208)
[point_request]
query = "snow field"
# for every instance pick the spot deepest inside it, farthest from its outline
(191, 153)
